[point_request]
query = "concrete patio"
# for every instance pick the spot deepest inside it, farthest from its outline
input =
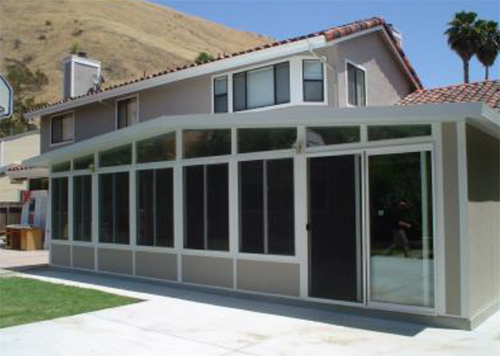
(15, 260)
(185, 321)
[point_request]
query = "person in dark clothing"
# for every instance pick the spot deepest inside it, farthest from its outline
(399, 226)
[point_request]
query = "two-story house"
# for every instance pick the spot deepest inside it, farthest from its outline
(286, 170)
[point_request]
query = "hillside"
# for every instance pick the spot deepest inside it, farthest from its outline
(129, 37)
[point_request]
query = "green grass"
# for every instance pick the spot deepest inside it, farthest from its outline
(24, 300)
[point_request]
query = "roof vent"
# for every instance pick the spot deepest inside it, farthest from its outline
(81, 74)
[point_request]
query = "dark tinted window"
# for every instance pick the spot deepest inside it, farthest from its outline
(320, 136)
(398, 131)
(116, 157)
(82, 208)
(356, 86)
(83, 162)
(158, 148)
(254, 140)
(220, 94)
(60, 208)
(114, 208)
(204, 143)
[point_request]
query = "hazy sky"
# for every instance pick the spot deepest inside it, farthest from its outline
(422, 24)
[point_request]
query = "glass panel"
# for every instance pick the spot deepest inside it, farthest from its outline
(282, 76)
(217, 206)
(145, 208)
(60, 208)
(61, 167)
(204, 143)
(194, 218)
(220, 85)
(158, 148)
(254, 140)
(239, 91)
(57, 128)
(114, 208)
(335, 228)
(313, 91)
(321, 136)
(220, 103)
(251, 178)
(351, 85)
(360, 87)
(164, 207)
(313, 70)
(260, 87)
(67, 127)
(401, 131)
(116, 157)
(83, 162)
(280, 207)
(401, 234)
(82, 208)
(122, 114)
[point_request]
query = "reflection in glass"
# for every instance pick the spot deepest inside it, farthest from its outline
(60, 208)
(397, 131)
(321, 136)
(401, 233)
(116, 157)
(158, 148)
(82, 208)
(85, 162)
(114, 208)
(61, 167)
(204, 143)
(255, 140)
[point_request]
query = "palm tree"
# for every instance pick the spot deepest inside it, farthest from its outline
(463, 37)
(489, 45)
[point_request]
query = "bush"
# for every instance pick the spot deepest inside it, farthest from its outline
(204, 57)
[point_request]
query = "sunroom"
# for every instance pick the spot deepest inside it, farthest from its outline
(363, 208)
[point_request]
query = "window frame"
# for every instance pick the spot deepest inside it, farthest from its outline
(359, 67)
(137, 115)
(59, 143)
(323, 81)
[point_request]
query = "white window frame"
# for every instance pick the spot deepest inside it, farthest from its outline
(137, 115)
(348, 61)
(296, 84)
(54, 144)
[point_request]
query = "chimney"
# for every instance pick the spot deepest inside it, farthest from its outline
(398, 35)
(81, 74)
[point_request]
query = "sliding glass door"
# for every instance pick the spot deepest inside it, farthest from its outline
(400, 224)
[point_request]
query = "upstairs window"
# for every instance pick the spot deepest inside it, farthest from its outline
(62, 128)
(220, 94)
(261, 87)
(313, 80)
(127, 112)
(356, 85)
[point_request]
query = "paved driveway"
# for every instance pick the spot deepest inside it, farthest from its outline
(176, 321)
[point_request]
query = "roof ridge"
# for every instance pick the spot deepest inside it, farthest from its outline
(459, 85)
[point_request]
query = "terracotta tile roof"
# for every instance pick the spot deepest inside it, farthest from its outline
(330, 35)
(487, 92)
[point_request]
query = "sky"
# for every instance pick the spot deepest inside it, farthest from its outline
(421, 22)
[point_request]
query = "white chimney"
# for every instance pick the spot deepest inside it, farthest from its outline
(81, 74)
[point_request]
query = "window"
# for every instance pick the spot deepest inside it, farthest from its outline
(59, 208)
(38, 184)
(126, 112)
(82, 208)
(204, 143)
(61, 128)
(155, 207)
(356, 86)
(321, 136)
(313, 80)
(254, 140)
(397, 131)
(114, 208)
(158, 148)
(261, 87)
(220, 94)
(86, 162)
(267, 207)
(61, 167)
(116, 157)
(206, 207)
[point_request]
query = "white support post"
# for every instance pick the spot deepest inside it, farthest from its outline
(234, 212)
(70, 217)
(301, 212)
(179, 204)
(95, 214)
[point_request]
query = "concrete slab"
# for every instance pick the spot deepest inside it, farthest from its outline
(15, 260)
(180, 321)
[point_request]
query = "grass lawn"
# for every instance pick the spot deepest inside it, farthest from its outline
(24, 300)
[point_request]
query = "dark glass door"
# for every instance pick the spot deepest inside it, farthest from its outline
(335, 259)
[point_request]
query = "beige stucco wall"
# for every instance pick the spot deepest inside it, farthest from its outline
(451, 219)
(386, 83)
(15, 149)
(483, 173)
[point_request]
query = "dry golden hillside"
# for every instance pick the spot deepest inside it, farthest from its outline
(129, 37)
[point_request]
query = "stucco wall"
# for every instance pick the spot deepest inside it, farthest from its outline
(483, 172)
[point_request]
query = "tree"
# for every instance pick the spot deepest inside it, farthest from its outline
(24, 83)
(204, 57)
(489, 44)
(463, 38)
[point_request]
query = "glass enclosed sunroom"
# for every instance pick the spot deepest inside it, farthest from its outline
(388, 210)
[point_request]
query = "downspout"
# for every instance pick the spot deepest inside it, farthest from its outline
(332, 84)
